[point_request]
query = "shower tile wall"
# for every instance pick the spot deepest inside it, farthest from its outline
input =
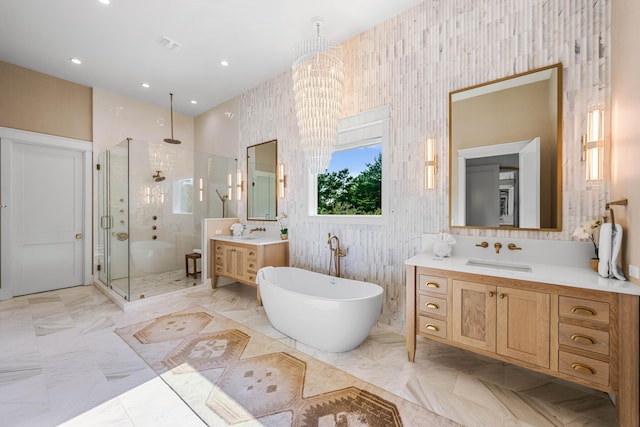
(412, 62)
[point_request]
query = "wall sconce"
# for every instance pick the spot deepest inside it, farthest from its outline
(593, 144)
(201, 189)
(282, 180)
(230, 186)
(239, 185)
(430, 163)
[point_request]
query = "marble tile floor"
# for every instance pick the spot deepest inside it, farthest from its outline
(61, 363)
(155, 284)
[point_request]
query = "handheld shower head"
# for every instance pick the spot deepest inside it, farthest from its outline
(222, 198)
(157, 177)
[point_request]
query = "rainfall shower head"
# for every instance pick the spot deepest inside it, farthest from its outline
(157, 177)
(171, 140)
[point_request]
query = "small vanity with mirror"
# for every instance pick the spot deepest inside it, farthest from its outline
(505, 174)
(240, 257)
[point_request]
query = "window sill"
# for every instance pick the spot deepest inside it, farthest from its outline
(349, 219)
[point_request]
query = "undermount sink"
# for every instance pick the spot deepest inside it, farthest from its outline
(499, 265)
(247, 237)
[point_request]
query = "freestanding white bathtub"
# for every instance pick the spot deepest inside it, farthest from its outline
(325, 312)
(153, 256)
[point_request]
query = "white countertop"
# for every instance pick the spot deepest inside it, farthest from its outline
(250, 239)
(575, 277)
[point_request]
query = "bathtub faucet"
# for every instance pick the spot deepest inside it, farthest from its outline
(336, 251)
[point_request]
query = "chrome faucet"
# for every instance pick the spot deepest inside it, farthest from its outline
(257, 229)
(337, 252)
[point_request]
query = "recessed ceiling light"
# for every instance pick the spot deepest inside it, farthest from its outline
(75, 61)
(145, 85)
(107, 2)
(193, 101)
(224, 63)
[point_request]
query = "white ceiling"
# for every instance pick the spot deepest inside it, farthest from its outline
(118, 43)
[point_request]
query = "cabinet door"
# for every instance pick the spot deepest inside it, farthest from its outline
(523, 325)
(474, 314)
(229, 261)
(240, 263)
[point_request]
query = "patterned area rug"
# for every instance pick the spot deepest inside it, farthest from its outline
(232, 375)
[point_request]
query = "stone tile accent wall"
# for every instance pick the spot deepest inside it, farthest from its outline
(411, 62)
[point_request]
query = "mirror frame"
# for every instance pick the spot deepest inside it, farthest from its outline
(276, 195)
(559, 114)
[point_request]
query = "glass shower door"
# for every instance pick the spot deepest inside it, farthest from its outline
(114, 219)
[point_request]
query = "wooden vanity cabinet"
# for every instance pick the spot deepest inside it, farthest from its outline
(511, 322)
(583, 336)
(241, 261)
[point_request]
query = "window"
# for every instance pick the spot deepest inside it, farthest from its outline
(183, 196)
(353, 183)
(353, 189)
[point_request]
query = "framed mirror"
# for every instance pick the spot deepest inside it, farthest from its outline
(505, 153)
(262, 162)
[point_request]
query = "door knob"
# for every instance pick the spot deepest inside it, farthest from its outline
(78, 236)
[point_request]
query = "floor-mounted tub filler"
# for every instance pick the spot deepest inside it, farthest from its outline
(325, 312)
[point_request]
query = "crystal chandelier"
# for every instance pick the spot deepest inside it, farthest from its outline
(318, 81)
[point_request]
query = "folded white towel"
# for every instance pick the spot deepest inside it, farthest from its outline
(604, 250)
(614, 264)
(609, 251)
(197, 251)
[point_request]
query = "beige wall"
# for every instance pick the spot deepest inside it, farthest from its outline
(41, 103)
(217, 132)
(625, 103)
(116, 118)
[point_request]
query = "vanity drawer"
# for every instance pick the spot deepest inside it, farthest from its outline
(252, 254)
(252, 266)
(584, 338)
(433, 284)
(429, 326)
(584, 309)
(586, 368)
(218, 248)
(432, 305)
(219, 259)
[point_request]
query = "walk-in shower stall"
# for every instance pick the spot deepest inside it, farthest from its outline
(152, 198)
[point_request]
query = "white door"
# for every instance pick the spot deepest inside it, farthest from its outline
(483, 195)
(44, 199)
(529, 161)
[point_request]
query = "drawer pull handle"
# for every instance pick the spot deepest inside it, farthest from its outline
(432, 285)
(431, 327)
(432, 305)
(585, 311)
(585, 369)
(583, 339)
